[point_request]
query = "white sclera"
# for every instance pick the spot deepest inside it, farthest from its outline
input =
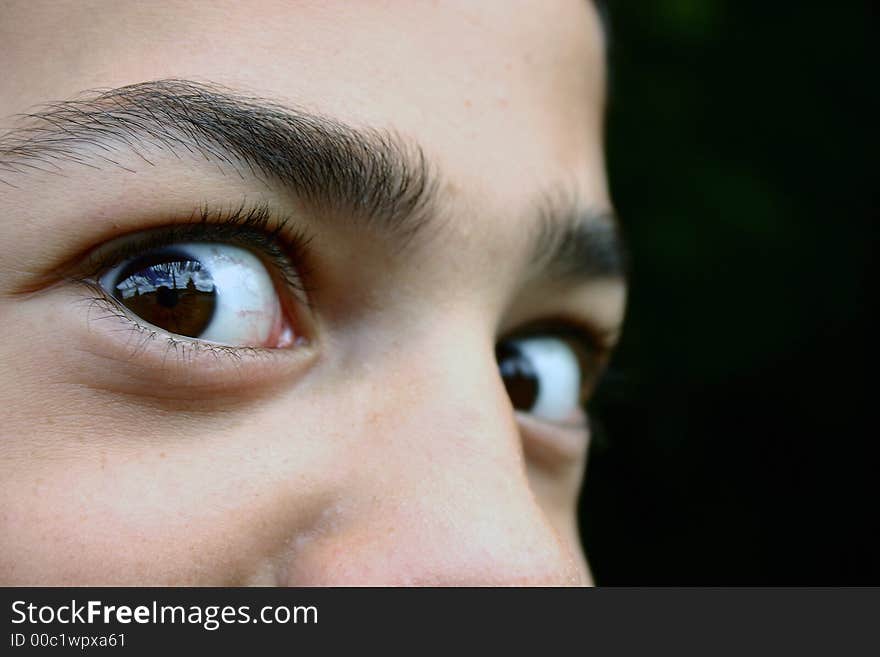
(559, 376)
(247, 305)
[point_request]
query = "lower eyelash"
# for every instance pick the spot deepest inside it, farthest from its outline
(184, 349)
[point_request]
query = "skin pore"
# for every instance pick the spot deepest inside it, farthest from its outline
(431, 176)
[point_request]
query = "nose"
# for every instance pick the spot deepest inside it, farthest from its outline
(437, 493)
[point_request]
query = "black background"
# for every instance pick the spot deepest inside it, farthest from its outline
(733, 427)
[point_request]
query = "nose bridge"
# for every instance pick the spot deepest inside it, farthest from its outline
(440, 494)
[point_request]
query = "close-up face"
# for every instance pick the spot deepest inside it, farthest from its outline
(300, 293)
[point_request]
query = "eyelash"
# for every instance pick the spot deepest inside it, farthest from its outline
(254, 227)
(183, 348)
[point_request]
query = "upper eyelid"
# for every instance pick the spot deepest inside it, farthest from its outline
(587, 334)
(256, 227)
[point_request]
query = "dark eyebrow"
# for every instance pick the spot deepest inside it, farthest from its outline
(375, 174)
(577, 242)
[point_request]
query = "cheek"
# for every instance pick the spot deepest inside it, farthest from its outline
(171, 508)
(556, 493)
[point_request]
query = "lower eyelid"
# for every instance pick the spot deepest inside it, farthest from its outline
(554, 445)
(126, 354)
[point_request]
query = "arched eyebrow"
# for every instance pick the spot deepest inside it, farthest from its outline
(577, 242)
(374, 176)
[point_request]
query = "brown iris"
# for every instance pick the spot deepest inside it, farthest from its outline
(168, 289)
(518, 375)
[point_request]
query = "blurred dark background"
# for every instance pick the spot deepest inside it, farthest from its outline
(732, 431)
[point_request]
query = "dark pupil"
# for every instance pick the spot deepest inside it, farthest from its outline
(518, 376)
(170, 290)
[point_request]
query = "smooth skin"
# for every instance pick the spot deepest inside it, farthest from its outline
(386, 449)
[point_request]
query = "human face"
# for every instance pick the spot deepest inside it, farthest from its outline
(438, 170)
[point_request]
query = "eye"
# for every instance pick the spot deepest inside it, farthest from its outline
(544, 375)
(213, 292)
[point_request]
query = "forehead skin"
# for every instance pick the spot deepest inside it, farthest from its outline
(465, 78)
(505, 97)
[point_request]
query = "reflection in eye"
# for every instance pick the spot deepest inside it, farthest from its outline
(214, 292)
(542, 376)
